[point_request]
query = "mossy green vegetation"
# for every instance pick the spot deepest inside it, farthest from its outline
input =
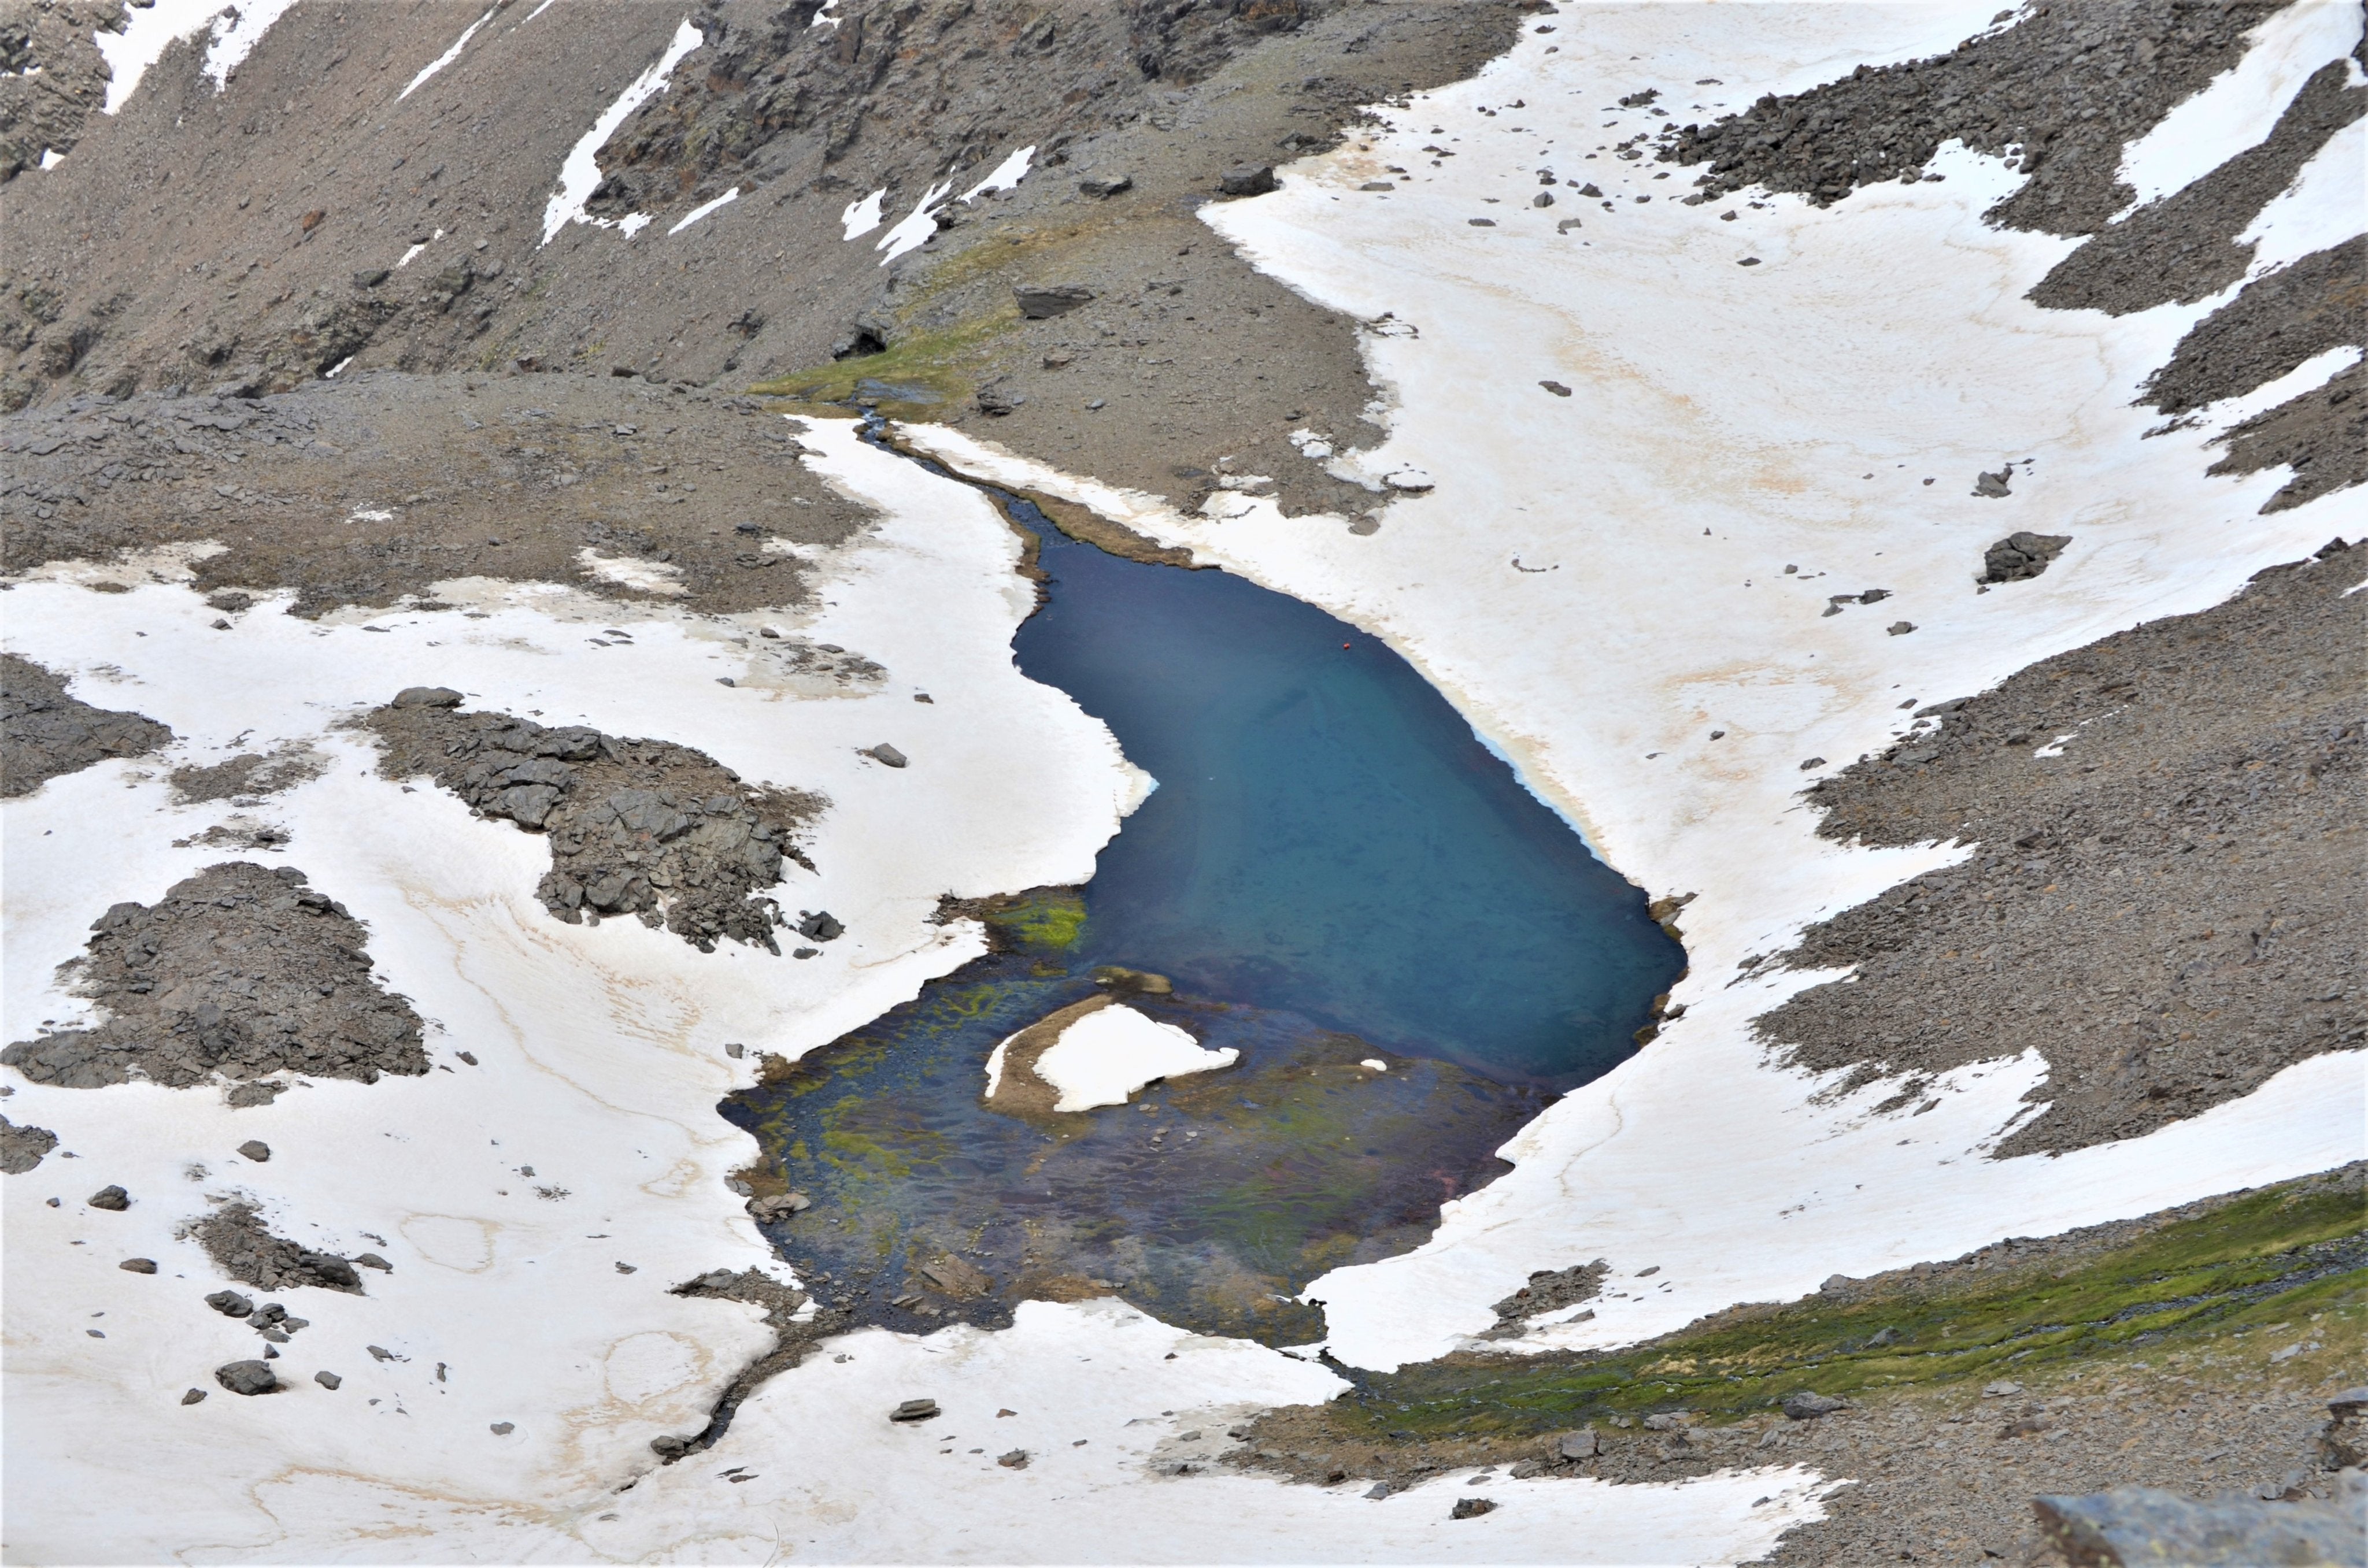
(2270, 1256)
(922, 377)
(1047, 920)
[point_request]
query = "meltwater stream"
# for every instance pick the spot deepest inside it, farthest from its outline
(1332, 870)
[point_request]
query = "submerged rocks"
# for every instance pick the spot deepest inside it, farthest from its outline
(637, 827)
(238, 971)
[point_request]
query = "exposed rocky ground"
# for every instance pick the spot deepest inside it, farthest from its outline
(52, 78)
(44, 733)
(364, 492)
(638, 827)
(237, 971)
(22, 1148)
(2168, 909)
(236, 1238)
(2195, 1350)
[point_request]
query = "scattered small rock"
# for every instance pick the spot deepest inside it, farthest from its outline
(22, 1148)
(1470, 1508)
(1900, 628)
(1102, 186)
(1993, 485)
(503, 1428)
(1582, 1444)
(256, 1149)
(112, 1199)
(137, 1266)
(328, 1379)
(231, 1304)
(2021, 555)
(887, 755)
(1016, 1460)
(1247, 180)
(195, 1396)
(1556, 388)
(914, 1410)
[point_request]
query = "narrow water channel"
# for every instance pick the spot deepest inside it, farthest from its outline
(1333, 871)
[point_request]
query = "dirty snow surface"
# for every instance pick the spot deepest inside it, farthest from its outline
(542, 1191)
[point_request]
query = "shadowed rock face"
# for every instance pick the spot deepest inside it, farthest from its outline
(44, 733)
(239, 972)
(637, 827)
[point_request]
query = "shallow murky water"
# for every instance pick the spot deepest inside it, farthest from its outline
(1332, 870)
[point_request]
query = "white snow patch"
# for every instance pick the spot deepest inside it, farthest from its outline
(1110, 1052)
(632, 572)
(861, 217)
(52, 157)
(2240, 106)
(704, 207)
(632, 223)
(450, 55)
(579, 176)
(369, 514)
(1006, 177)
(915, 228)
(331, 373)
(829, 13)
(1883, 341)
(1374, 1065)
(412, 255)
(2321, 209)
(538, 10)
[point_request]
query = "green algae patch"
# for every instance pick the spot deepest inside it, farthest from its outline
(2193, 1286)
(1046, 921)
(924, 377)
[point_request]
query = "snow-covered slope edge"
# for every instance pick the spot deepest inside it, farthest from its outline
(1624, 578)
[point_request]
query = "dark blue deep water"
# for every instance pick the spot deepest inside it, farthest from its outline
(1328, 835)
(1333, 869)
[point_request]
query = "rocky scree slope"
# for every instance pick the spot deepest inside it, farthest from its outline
(2164, 898)
(238, 973)
(370, 491)
(45, 733)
